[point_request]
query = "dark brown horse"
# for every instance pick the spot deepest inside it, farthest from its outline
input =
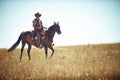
(25, 37)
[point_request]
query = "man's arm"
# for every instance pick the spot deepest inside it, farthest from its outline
(34, 23)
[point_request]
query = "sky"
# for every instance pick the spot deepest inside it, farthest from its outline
(81, 21)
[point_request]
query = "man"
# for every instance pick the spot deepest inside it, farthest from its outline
(37, 25)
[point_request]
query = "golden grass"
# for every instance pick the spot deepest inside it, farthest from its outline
(84, 62)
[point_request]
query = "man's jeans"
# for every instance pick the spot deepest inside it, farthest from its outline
(38, 38)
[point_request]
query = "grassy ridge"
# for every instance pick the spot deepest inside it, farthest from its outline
(84, 62)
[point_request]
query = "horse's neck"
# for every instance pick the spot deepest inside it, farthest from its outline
(51, 34)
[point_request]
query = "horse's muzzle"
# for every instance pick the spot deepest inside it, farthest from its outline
(59, 32)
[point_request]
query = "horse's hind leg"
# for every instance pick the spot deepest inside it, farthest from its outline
(23, 45)
(52, 51)
(29, 48)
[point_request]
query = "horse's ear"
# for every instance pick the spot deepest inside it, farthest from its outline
(54, 22)
(58, 22)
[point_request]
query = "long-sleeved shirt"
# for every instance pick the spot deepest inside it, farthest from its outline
(35, 23)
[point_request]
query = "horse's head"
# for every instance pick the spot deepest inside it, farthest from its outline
(57, 27)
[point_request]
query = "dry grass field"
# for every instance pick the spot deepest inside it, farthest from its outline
(83, 62)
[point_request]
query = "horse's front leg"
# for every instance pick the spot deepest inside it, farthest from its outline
(52, 51)
(46, 51)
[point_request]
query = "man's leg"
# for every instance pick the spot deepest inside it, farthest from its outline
(41, 40)
(38, 38)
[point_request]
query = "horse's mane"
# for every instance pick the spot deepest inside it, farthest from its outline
(51, 27)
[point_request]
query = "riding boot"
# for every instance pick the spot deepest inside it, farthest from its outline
(41, 45)
(36, 42)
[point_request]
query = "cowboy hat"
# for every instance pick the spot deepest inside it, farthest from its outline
(37, 14)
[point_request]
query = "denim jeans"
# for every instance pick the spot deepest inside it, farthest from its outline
(38, 37)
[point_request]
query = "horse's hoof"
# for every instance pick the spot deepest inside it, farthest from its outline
(20, 62)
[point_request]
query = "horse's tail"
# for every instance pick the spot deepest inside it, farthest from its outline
(16, 44)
